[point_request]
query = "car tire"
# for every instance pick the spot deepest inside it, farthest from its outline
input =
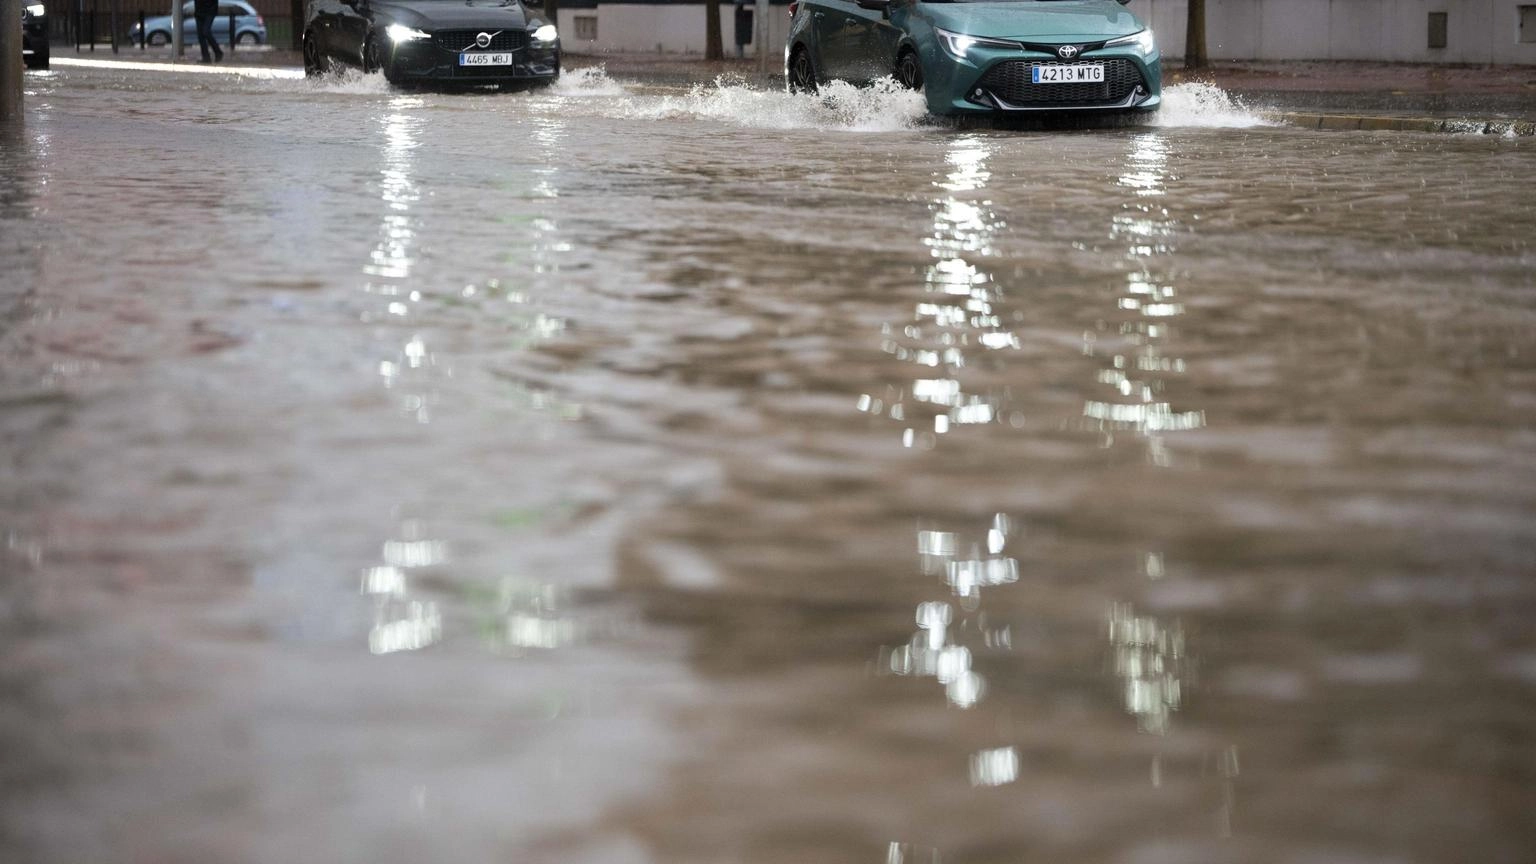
(159, 38)
(38, 60)
(315, 63)
(801, 74)
(374, 59)
(247, 38)
(909, 70)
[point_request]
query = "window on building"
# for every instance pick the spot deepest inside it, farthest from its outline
(1528, 23)
(586, 27)
(1439, 29)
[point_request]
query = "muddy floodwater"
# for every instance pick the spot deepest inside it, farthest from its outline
(620, 474)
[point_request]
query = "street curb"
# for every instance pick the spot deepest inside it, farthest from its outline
(1357, 123)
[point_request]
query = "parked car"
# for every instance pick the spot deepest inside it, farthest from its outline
(250, 27)
(34, 36)
(444, 41)
(982, 56)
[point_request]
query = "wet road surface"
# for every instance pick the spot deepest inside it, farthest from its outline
(626, 474)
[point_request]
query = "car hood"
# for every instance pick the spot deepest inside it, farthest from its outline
(476, 14)
(1033, 20)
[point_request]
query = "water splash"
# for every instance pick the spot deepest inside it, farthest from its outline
(1208, 106)
(588, 81)
(352, 82)
(839, 106)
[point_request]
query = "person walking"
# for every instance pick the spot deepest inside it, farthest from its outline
(205, 11)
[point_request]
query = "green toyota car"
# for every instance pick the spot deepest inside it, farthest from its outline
(981, 56)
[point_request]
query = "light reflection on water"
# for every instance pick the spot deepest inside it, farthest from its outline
(1016, 716)
(959, 314)
(1136, 334)
(1149, 657)
(522, 616)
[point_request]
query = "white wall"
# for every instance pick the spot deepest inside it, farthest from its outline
(1481, 31)
(668, 29)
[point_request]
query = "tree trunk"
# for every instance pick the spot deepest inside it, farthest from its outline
(712, 48)
(1194, 37)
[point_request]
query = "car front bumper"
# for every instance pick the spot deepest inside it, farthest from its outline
(998, 81)
(429, 60)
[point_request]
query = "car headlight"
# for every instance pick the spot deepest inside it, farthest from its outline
(959, 43)
(545, 36)
(400, 33)
(1142, 42)
(37, 10)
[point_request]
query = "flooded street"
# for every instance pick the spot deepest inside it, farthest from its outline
(618, 473)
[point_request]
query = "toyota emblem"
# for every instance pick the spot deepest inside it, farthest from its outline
(484, 40)
(1067, 52)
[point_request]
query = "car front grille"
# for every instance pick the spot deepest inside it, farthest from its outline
(1012, 82)
(464, 40)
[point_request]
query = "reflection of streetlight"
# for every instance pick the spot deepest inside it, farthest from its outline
(526, 618)
(1145, 311)
(401, 623)
(392, 256)
(957, 314)
(934, 651)
(1149, 657)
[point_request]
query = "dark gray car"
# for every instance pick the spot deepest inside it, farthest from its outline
(502, 42)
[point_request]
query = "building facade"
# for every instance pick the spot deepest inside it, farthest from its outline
(1403, 31)
(1398, 31)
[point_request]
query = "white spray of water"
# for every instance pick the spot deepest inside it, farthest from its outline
(588, 82)
(884, 107)
(1206, 105)
(351, 82)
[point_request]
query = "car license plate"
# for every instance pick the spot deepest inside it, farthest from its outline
(1079, 73)
(485, 58)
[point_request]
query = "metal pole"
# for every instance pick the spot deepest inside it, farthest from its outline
(143, 37)
(10, 59)
(177, 47)
(232, 39)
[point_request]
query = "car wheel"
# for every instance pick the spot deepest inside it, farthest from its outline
(38, 60)
(247, 38)
(909, 72)
(802, 74)
(315, 63)
(159, 37)
(374, 58)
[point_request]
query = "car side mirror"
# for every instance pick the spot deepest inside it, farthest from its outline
(1125, 2)
(876, 5)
